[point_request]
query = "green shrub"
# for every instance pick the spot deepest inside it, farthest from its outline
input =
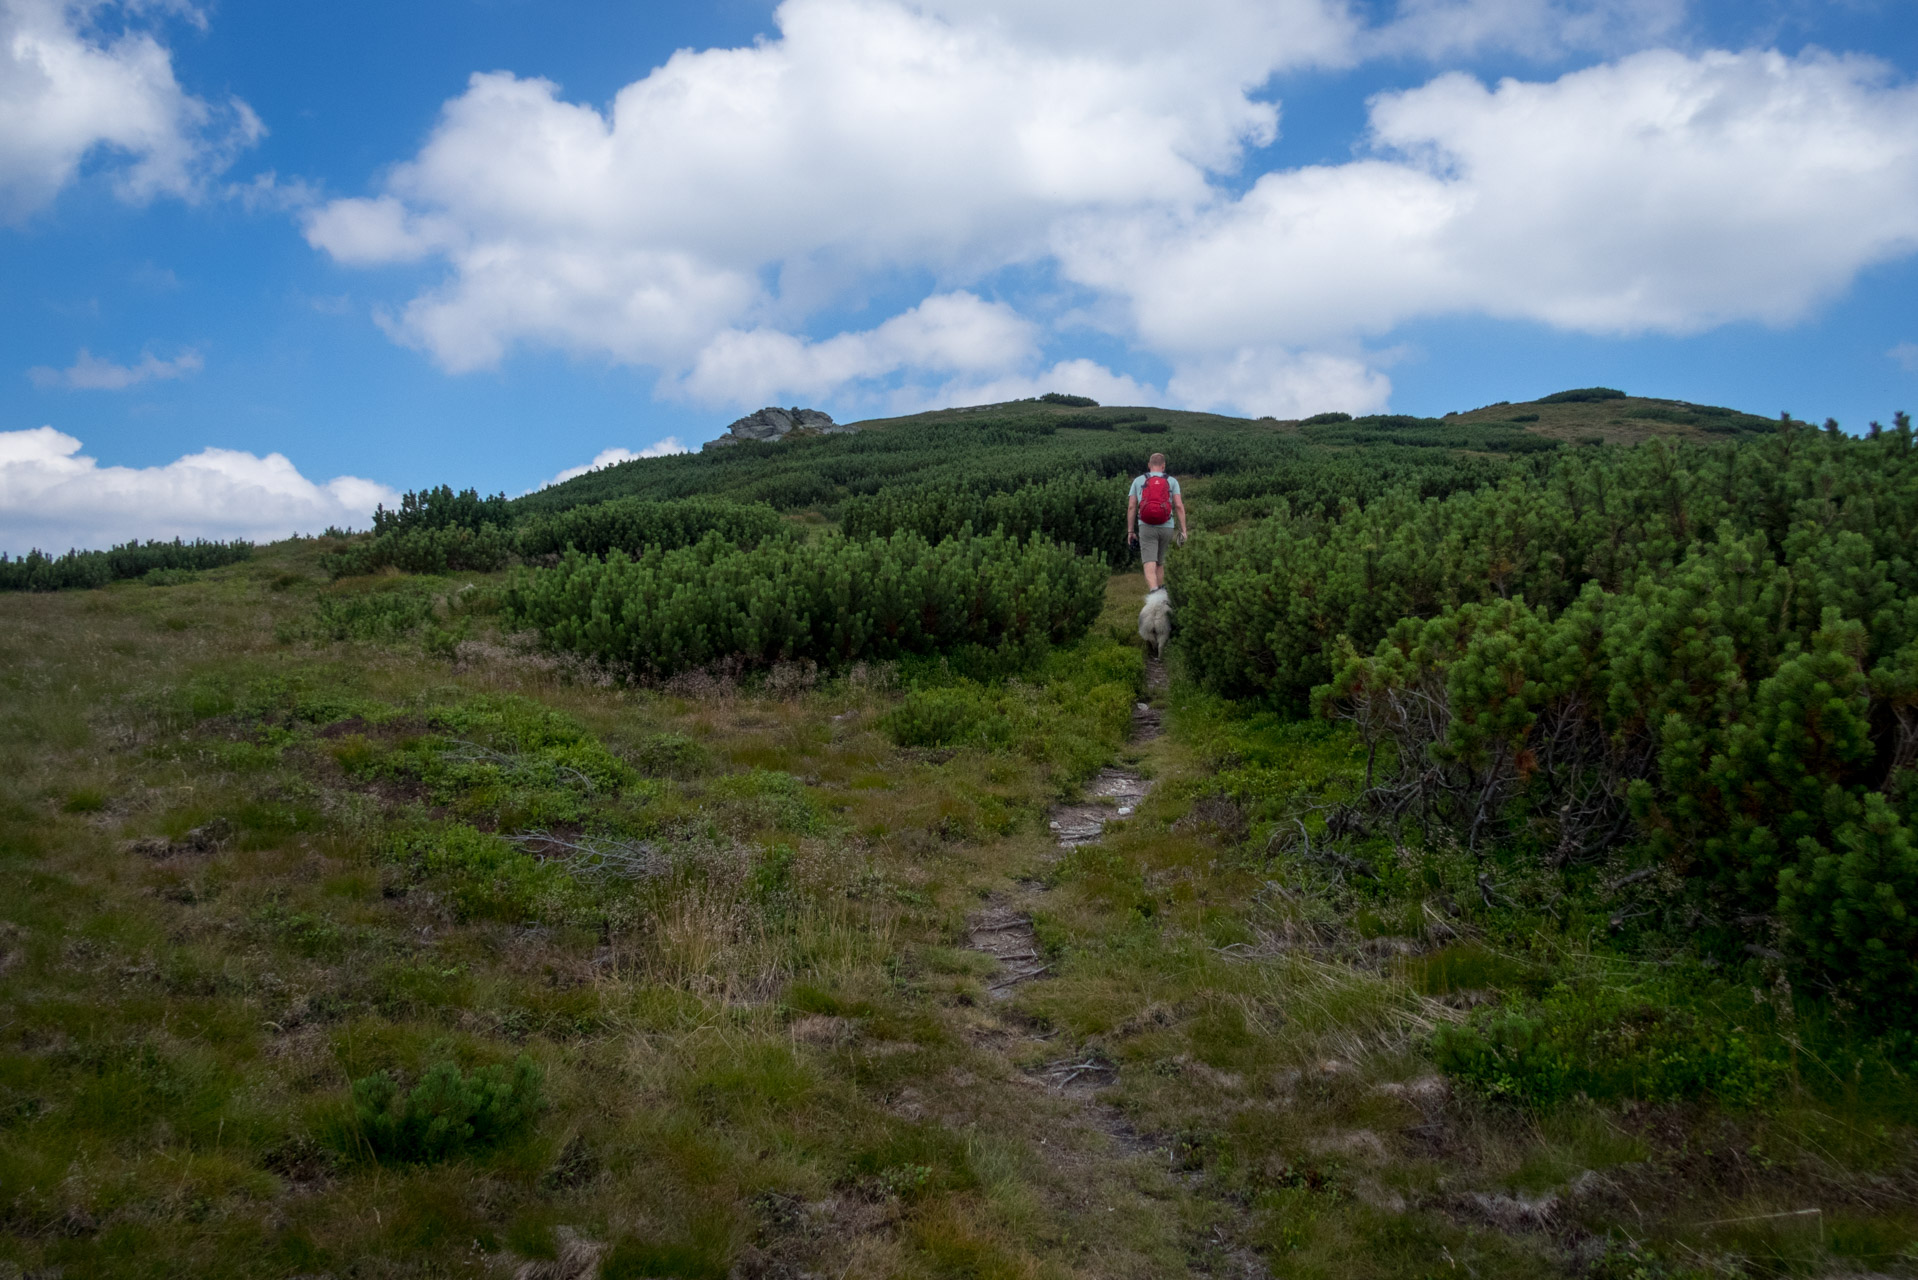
(1426, 433)
(442, 508)
(1085, 512)
(444, 549)
(763, 798)
(484, 876)
(378, 615)
(1710, 417)
(1606, 1042)
(37, 571)
(834, 601)
(1699, 648)
(448, 1113)
(448, 536)
(501, 762)
(1738, 755)
(966, 715)
(1582, 395)
(1263, 605)
(1074, 715)
(634, 524)
(670, 755)
(1104, 419)
(529, 736)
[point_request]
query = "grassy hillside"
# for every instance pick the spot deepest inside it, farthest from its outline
(1007, 445)
(432, 903)
(1621, 419)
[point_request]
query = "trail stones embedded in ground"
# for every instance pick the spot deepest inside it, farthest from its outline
(1003, 930)
(1115, 792)
(1081, 1135)
(1005, 933)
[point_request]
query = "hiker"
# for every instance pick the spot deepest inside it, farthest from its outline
(1150, 506)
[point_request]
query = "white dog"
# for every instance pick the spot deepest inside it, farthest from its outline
(1155, 621)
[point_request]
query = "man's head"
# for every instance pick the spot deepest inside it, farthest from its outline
(1156, 462)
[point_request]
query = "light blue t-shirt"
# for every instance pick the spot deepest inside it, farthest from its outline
(1138, 491)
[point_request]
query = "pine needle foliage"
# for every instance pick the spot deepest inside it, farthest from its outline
(834, 601)
(1083, 511)
(632, 524)
(1704, 653)
(37, 571)
(448, 1113)
(629, 524)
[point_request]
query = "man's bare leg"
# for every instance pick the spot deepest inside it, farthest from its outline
(1154, 576)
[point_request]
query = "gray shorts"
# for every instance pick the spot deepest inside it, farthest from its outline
(1154, 540)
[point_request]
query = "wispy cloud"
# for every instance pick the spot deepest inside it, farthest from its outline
(89, 372)
(1906, 354)
(269, 193)
(153, 277)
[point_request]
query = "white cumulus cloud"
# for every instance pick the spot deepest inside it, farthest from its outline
(70, 88)
(1279, 383)
(955, 332)
(869, 136)
(618, 454)
(54, 497)
(1658, 193)
(89, 372)
(1079, 377)
(700, 222)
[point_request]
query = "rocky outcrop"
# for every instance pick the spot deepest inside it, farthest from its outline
(775, 424)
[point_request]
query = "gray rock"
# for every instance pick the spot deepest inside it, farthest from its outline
(773, 423)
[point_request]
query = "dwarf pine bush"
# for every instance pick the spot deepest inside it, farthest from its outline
(834, 601)
(448, 548)
(633, 524)
(448, 1113)
(37, 571)
(1707, 653)
(1086, 512)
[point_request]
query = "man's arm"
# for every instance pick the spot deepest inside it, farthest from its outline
(1131, 518)
(1178, 505)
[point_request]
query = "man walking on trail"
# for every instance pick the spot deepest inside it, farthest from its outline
(1150, 506)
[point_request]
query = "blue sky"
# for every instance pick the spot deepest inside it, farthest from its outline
(265, 264)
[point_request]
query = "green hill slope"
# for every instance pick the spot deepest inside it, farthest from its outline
(1605, 414)
(1004, 446)
(788, 862)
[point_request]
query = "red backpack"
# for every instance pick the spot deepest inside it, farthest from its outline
(1155, 503)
